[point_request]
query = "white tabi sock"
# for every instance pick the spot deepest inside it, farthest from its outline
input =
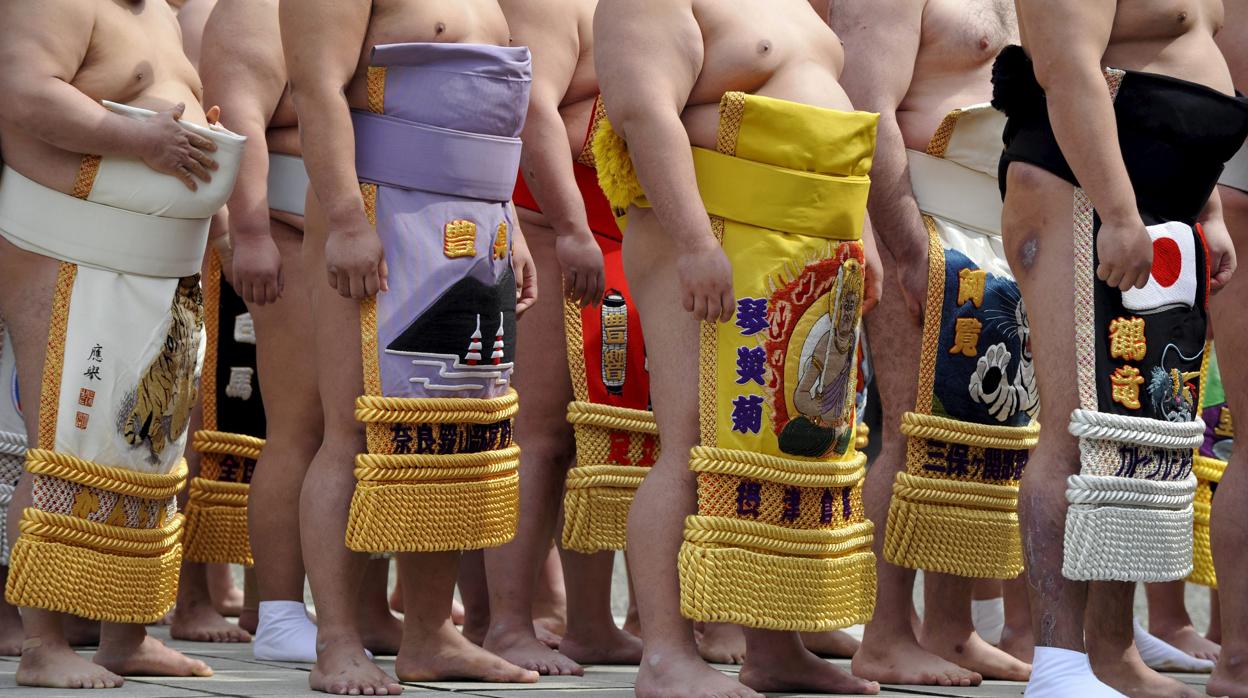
(1160, 655)
(989, 618)
(1060, 673)
(285, 633)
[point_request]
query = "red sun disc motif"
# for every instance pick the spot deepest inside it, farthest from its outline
(1167, 262)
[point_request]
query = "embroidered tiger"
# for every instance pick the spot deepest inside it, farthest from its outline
(159, 408)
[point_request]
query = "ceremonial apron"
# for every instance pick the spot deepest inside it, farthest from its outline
(12, 435)
(955, 508)
(1209, 464)
(779, 540)
(101, 539)
(1138, 352)
(617, 439)
(437, 154)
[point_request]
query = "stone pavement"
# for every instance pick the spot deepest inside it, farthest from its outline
(237, 674)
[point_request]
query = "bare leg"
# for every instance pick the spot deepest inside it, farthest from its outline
(1214, 634)
(335, 572)
(550, 602)
(248, 619)
(433, 650)
(836, 644)
(1168, 620)
(226, 598)
(776, 662)
(592, 636)
(671, 667)
(476, 595)
(949, 632)
(380, 630)
(1111, 645)
(543, 432)
(1017, 637)
(632, 622)
(1230, 524)
(10, 624)
(890, 651)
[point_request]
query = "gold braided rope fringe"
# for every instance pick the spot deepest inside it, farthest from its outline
(119, 480)
(598, 493)
(216, 523)
(93, 570)
(1208, 473)
(954, 526)
(226, 444)
(763, 576)
(785, 471)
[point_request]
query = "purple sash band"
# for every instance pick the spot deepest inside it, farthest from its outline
(408, 155)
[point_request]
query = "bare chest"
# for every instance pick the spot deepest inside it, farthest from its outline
(964, 34)
(439, 21)
(134, 51)
(1144, 20)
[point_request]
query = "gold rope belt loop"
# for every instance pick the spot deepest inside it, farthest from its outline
(118, 480)
(936, 428)
(400, 410)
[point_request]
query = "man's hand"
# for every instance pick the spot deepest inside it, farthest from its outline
(912, 280)
(1125, 252)
(873, 288)
(526, 275)
(356, 262)
(580, 258)
(170, 149)
(1222, 261)
(257, 275)
(706, 282)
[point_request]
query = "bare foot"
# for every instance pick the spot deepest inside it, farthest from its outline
(546, 637)
(457, 610)
(80, 632)
(58, 666)
(149, 658)
(475, 628)
(549, 626)
(381, 634)
(527, 651)
(836, 644)
(249, 620)
(1187, 639)
(1020, 645)
(1129, 675)
(974, 653)
(226, 598)
(722, 644)
(608, 645)
(342, 669)
(202, 623)
(686, 677)
(901, 660)
(446, 655)
(803, 672)
(396, 603)
(1230, 678)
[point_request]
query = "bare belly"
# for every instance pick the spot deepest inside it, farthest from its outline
(1193, 57)
(57, 169)
(932, 98)
(804, 84)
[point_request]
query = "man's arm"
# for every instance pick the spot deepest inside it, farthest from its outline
(1066, 40)
(881, 40)
(322, 41)
(550, 31)
(244, 73)
(42, 46)
(648, 54)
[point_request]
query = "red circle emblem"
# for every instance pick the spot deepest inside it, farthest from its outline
(1167, 262)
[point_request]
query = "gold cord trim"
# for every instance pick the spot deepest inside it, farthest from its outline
(612, 417)
(138, 542)
(761, 537)
(119, 480)
(227, 444)
(88, 169)
(928, 426)
(1210, 469)
(973, 495)
(423, 467)
(770, 468)
(211, 283)
(397, 410)
(54, 361)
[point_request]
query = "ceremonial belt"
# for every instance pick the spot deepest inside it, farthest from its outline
(409, 155)
(956, 193)
(46, 222)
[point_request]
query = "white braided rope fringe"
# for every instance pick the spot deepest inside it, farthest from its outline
(12, 444)
(1126, 544)
(1138, 431)
(1107, 490)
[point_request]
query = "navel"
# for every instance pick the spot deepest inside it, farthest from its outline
(439, 28)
